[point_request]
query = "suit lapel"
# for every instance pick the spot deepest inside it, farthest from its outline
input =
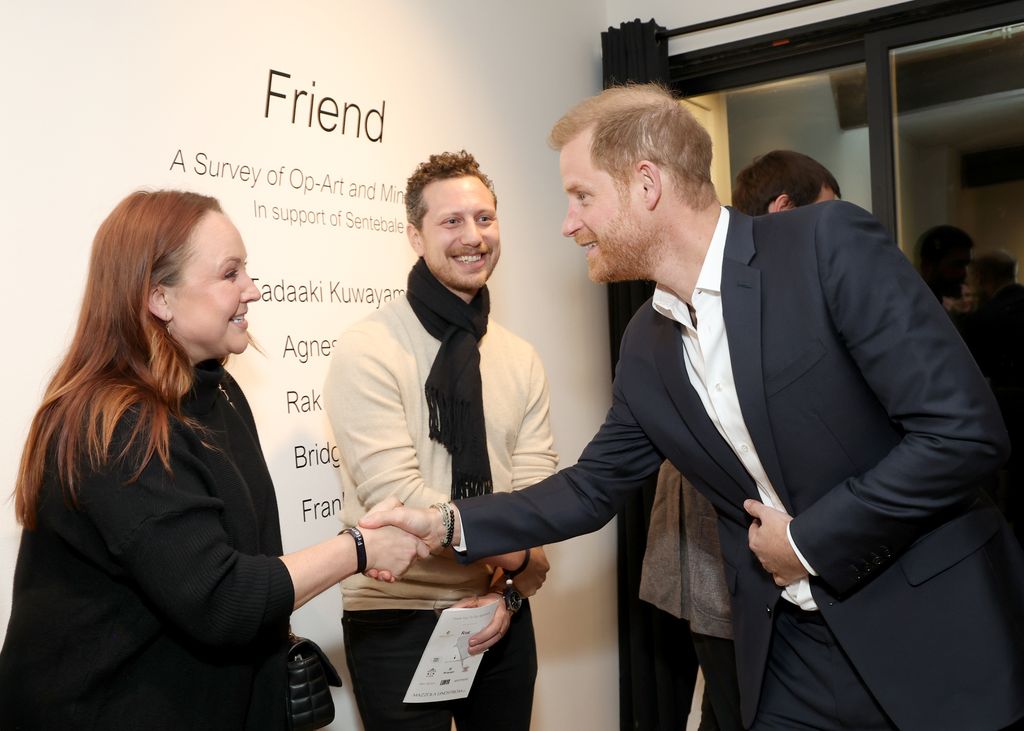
(671, 366)
(741, 311)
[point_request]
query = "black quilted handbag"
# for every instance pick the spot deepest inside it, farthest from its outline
(310, 677)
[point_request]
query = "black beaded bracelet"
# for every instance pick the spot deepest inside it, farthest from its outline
(447, 522)
(357, 536)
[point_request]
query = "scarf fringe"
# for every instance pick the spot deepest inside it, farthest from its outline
(464, 486)
(448, 418)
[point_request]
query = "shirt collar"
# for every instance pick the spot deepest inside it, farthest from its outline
(666, 302)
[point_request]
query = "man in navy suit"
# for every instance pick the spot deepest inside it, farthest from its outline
(798, 371)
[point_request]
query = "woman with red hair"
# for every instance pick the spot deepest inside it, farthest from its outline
(150, 591)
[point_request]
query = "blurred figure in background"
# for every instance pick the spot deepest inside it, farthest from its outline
(780, 180)
(943, 253)
(995, 334)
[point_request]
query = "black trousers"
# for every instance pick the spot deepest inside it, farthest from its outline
(720, 707)
(809, 683)
(383, 647)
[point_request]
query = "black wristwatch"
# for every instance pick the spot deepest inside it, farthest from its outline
(513, 599)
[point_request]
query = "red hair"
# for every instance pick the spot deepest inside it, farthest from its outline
(643, 122)
(121, 357)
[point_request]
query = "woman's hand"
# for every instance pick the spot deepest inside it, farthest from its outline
(390, 552)
(383, 571)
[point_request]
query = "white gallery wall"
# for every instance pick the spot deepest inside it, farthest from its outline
(105, 97)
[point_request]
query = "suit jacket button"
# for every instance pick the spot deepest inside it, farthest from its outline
(768, 609)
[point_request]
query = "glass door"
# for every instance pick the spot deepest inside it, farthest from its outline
(958, 143)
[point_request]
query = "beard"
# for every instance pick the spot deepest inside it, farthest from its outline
(625, 252)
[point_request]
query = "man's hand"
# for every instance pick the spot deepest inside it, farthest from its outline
(770, 543)
(388, 549)
(532, 577)
(422, 522)
(497, 627)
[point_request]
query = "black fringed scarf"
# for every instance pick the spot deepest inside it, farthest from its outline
(453, 388)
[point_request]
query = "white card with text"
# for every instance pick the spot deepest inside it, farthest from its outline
(446, 669)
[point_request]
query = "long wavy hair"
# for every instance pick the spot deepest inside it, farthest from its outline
(121, 357)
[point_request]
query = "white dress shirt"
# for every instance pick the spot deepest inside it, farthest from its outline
(706, 352)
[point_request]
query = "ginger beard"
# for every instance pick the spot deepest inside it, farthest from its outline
(626, 250)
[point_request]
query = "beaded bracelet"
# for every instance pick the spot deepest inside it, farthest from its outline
(447, 522)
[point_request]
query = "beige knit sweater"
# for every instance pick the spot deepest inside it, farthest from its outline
(374, 399)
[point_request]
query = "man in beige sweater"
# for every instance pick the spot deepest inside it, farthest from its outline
(430, 399)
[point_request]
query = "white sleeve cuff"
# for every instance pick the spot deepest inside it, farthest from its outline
(796, 550)
(460, 547)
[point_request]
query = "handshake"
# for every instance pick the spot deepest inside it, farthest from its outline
(395, 536)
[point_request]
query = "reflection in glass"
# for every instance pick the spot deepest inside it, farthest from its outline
(959, 142)
(959, 138)
(823, 115)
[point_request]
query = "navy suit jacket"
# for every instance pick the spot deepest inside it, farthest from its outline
(873, 424)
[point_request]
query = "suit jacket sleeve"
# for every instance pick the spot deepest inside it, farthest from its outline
(574, 501)
(914, 361)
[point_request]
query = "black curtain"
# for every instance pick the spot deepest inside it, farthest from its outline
(657, 664)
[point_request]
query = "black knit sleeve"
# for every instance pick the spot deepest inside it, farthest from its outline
(167, 533)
